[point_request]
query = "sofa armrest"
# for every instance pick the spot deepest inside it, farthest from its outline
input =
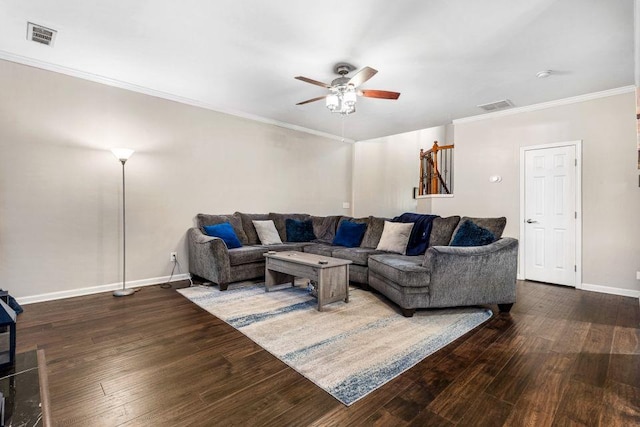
(473, 275)
(208, 257)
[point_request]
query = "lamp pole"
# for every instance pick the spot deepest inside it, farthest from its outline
(123, 155)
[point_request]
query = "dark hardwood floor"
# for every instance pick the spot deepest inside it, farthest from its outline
(561, 358)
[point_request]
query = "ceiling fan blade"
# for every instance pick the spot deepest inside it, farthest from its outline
(313, 82)
(384, 94)
(362, 76)
(312, 100)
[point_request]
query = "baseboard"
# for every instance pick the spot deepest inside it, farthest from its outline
(97, 289)
(609, 290)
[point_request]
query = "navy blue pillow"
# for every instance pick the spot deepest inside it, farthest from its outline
(469, 234)
(299, 231)
(225, 232)
(349, 234)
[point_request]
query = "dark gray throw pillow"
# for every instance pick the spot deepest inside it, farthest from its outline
(494, 225)
(469, 234)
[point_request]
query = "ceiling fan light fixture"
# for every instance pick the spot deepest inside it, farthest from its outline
(333, 102)
(344, 92)
(349, 96)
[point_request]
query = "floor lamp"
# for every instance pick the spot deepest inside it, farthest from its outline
(123, 155)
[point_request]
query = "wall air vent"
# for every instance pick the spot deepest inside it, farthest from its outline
(498, 105)
(40, 34)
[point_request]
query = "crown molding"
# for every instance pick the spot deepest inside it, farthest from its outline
(96, 78)
(544, 105)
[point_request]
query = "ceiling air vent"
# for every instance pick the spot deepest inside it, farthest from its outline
(40, 34)
(498, 105)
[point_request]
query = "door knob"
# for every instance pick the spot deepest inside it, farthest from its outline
(530, 221)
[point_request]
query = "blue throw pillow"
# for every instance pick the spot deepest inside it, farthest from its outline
(225, 232)
(299, 231)
(469, 234)
(350, 234)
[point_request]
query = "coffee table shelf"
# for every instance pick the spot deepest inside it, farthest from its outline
(330, 274)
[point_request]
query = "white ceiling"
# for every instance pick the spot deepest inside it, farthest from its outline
(444, 56)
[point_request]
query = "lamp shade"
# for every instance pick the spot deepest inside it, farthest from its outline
(122, 154)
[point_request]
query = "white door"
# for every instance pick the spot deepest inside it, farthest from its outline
(550, 215)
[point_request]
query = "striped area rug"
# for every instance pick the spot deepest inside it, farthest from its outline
(350, 349)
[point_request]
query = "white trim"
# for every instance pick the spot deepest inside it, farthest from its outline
(543, 105)
(610, 290)
(578, 195)
(97, 289)
(159, 94)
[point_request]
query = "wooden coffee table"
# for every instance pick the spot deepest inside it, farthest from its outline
(330, 274)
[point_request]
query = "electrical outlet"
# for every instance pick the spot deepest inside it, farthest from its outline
(638, 275)
(173, 257)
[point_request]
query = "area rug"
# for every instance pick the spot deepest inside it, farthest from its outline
(349, 349)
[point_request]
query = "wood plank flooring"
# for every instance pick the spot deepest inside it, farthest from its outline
(561, 358)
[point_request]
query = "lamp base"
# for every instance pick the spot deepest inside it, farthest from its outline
(123, 292)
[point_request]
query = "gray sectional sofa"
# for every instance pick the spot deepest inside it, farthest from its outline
(443, 277)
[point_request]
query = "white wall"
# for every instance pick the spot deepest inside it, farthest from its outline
(60, 186)
(387, 169)
(611, 196)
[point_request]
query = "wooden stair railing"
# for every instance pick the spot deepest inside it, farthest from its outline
(430, 176)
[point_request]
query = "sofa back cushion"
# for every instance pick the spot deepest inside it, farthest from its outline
(442, 230)
(299, 231)
(249, 229)
(279, 220)
(324, 227)
(494, 225)
(234, 220)
(374, 232)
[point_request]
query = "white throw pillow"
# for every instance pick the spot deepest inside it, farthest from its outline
(267, 232)
(395, 237)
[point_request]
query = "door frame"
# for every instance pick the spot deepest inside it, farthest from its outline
(578, 195)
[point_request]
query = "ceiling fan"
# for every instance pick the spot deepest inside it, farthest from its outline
(343, 91)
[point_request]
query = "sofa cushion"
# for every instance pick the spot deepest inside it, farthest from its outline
(287, 246)
(442, 230)
(374, 232)
(234, 220)
(359, 256)
(267, 232)
(469, 234)
(247, 226)
(350, 234)
(299, 231)
(225, 232)
(319, 249)
(324, 227)
(280, 219)
(403, 270)
(494, 225)
(395, 237)
(246, 255)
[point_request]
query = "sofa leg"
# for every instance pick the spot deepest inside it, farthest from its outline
(224, 286)
(407, 312)
(505, 308)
